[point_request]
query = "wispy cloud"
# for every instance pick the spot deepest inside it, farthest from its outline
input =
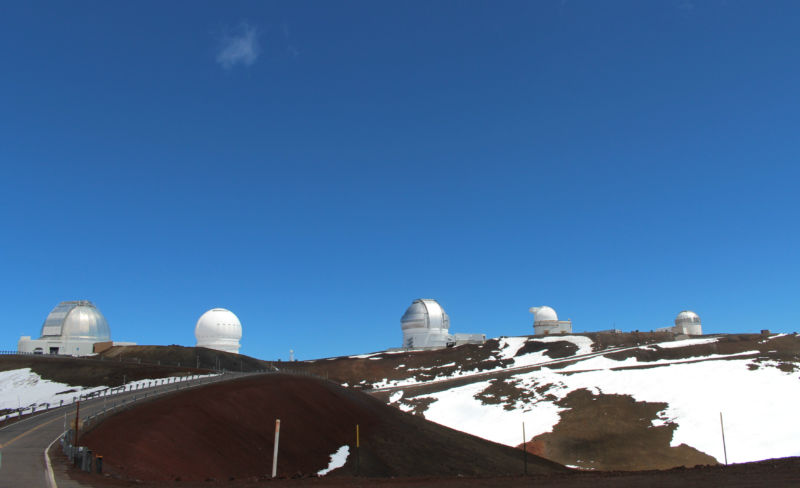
(240, 46)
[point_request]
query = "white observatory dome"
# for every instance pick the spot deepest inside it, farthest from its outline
(76, 321)
(687, 316)
(219, 329)
(543, 314)
(689, 323)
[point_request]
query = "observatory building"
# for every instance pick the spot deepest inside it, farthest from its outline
(72, 328)
(687, 322)
(219, 329)
(545, 321)
(427, 326)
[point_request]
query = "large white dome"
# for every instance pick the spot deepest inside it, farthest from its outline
(543, 314)
(219, 329)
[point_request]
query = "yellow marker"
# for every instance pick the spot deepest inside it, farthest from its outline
(358, 452)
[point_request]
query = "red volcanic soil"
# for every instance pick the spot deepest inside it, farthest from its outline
(225, 431)
(773, 473)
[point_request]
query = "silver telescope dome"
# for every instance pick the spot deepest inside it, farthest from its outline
(76, 320)
(425, 325)
(425, 313)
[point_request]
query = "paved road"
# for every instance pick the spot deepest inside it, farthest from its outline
(23, 444)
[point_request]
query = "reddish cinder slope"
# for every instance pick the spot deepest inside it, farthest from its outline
(225, 431)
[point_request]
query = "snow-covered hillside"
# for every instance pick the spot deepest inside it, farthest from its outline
(753, 384)
(22, 390)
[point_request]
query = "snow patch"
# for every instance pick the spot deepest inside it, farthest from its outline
(338, 459)
(364, 356)
(458, 409)
(772, 337)
(22, 388)
(509, 346)
(687, 342)
(584, 343)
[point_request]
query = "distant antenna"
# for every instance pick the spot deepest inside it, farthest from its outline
(291, 354)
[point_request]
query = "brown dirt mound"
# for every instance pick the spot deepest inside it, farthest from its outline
(553, 350)
(225, 431)
(175, 355)
(613, 432)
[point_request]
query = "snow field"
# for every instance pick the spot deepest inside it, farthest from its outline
(22, 388)
(509, 346)
(757, 405)
(458, 408)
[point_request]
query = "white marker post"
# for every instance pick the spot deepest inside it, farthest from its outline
(275, 449)
(724, 447)
(524, 449)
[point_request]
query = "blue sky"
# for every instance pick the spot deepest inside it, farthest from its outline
(316, 166)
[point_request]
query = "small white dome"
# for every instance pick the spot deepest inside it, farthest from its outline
(687, 317)
(219, 329)
(543, 314)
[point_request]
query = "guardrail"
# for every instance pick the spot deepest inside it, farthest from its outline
(104, 393)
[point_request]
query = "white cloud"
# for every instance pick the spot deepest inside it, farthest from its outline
(239, 47)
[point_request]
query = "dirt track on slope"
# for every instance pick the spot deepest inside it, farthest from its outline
(225, 431)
